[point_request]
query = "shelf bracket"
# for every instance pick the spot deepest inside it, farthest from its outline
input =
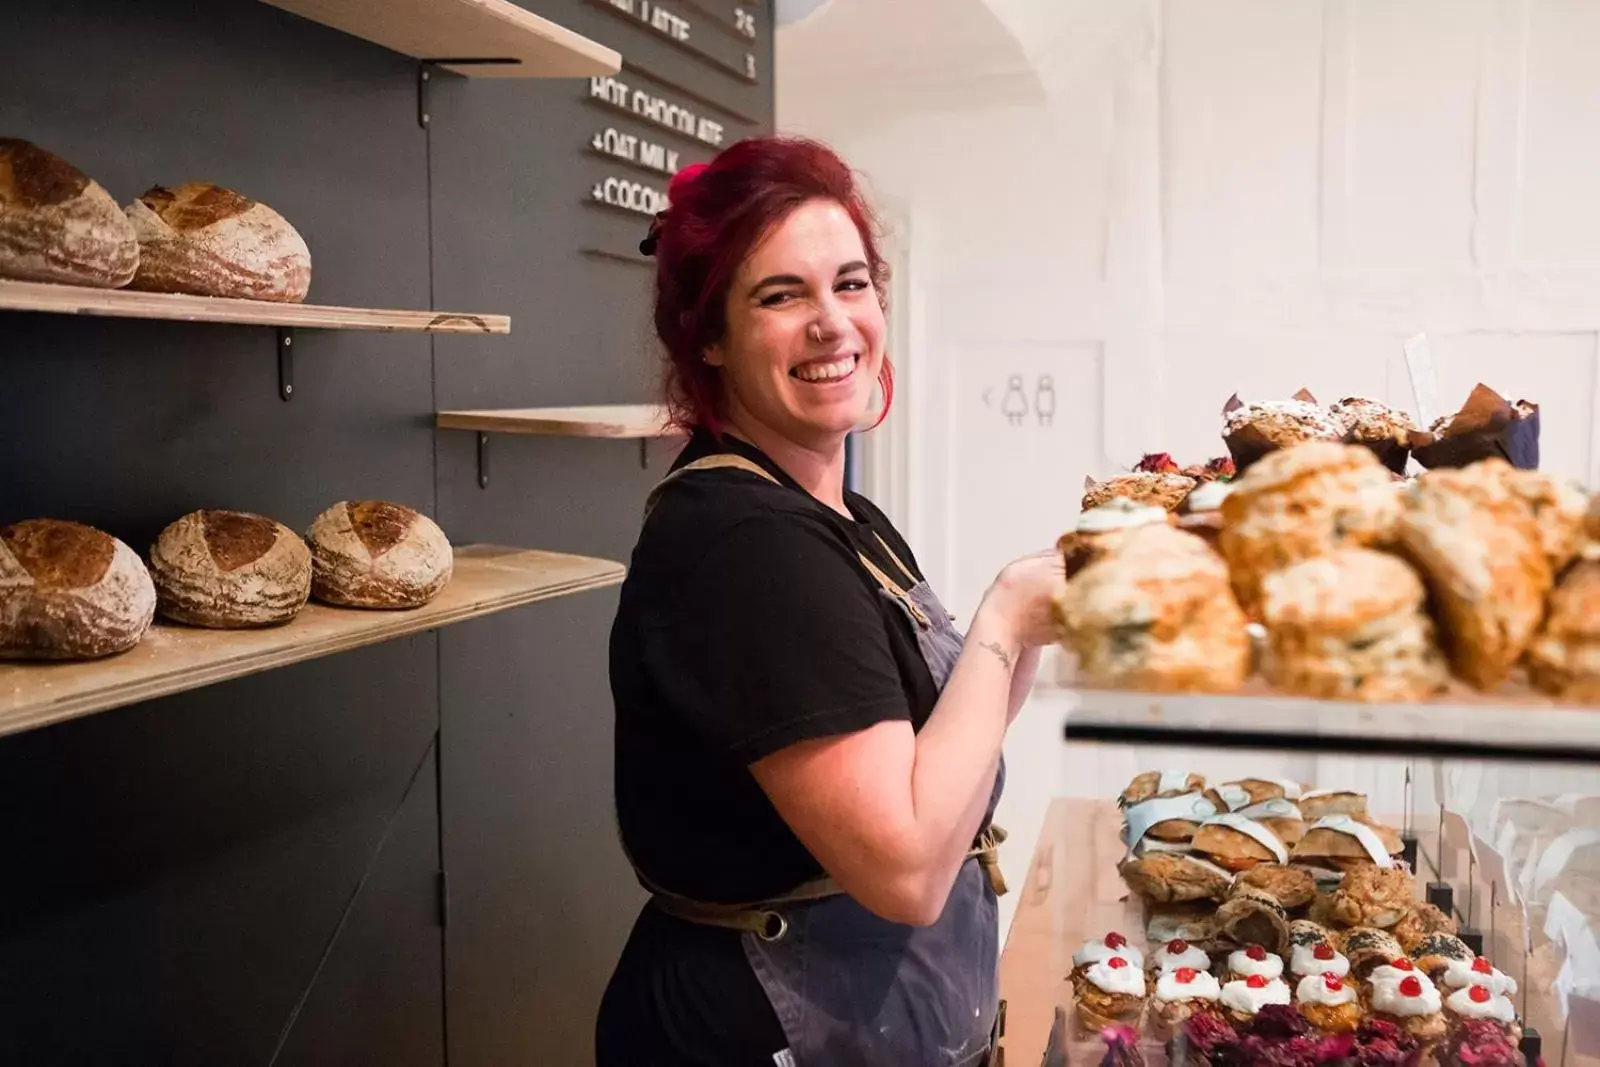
(286, 362)
(644, 453)
(424, 83)
(483, 460)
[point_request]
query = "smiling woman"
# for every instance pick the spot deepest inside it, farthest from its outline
(807, 751)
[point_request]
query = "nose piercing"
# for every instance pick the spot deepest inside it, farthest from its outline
(816, 332)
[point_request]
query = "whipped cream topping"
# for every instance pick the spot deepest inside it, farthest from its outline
(1240, 963)
(1202, 986)
(1388, 998)
(1303, 960)
(1128, 980)
(1459, 973)
(1207, 496)
(1313, 989)
(1099, 952)
(1241, 997)
(1495, 1007)
(1119, 513)
(1388, 973)
(1189, 957)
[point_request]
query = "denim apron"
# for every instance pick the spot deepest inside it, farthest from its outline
(852, 989)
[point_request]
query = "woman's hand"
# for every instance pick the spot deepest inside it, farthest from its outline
(1021, 598)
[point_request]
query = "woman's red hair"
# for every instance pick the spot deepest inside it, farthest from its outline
(719, 212)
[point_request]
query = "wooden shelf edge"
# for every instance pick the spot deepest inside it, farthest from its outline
(486, 38)
(611, 421)
(180, 307)
(174, 659)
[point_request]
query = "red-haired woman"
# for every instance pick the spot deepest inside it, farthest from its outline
(807, 751)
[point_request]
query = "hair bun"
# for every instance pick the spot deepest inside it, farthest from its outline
(683, 179)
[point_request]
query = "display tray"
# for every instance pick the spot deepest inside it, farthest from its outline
(174, 658)
(1073, 893)
(1514, 722)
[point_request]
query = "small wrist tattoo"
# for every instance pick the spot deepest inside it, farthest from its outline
(998, 650)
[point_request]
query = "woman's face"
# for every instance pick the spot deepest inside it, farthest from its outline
(805, 333)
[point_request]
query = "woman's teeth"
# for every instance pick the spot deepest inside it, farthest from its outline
(826, 372)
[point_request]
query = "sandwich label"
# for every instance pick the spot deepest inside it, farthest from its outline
(1234, 821)
(1276, 808)
(1173, 782)
(1142, 816)
(1234, 795)
(1363, 833)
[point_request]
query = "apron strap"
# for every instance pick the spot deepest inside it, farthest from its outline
(721, 461)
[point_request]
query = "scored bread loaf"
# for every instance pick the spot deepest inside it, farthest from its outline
(205, 240)
(57, 224)
(69, 591)
(377, 554)
(230, 570)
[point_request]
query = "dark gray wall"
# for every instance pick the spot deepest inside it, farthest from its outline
(246, 873)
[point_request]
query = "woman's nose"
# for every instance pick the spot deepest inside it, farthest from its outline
(829, 323)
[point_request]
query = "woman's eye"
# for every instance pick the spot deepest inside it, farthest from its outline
(775, 299)
(855, 285)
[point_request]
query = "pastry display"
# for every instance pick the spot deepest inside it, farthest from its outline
(375, 554)
(1236, 843)
(1458, 974)
(1111, 992)
(1564, 658)
(1162, 490)
(1487, 427)
(1410, 1002)
(205, 240)
(1090, 538)
(1367, 949)
(1370, 895)
(1350, 625)
(1329, 1002)
(1251, 960)
(1098, 951)
(1156, 614)
(70, 592)
(1388, 432)
(1180, 993)
(1292, 887)
(1436, 951)
(58, 225)
(1178, 953)
(230, 569)
(1315, 958)
(1300, 503)
(1242, 998)
(1252, 431)
(1340, 843)
(1175, 877)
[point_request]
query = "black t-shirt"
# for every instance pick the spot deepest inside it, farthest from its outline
(746, 624)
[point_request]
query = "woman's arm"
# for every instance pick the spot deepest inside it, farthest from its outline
(891, 814)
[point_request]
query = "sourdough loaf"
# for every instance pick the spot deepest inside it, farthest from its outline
(376, 554)
(57, 225)
(230, 570)
(209, 241)
(69, 591)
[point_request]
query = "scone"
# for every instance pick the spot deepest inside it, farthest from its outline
(1164, 491)
(1559, 509)
(1423, 920)
(1156, 614)
(1293, 887)
(1179, 994)
(1254, 430)
(1112, 992)
(1096, 529)
(1318, 803)
(1412, 1003)
(1368, 949)
(1301, 503)
(1340, 843)
(1374, 896)
(1435, 952)
(1475, 540)
(1350, 625)
(1387, 431)
(1254, 918)
(1329, 1002)
(1175, 877)
(1242, 998)
(1237, 844)
(1564, 659)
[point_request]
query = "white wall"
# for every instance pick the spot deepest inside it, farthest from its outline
(1194, 197)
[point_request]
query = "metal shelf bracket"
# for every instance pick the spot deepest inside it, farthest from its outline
(286, 363)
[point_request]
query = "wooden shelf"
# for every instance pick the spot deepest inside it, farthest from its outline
(479, 38)
(178, 307)
(172, 658)
(1511, 724)
(616, 421)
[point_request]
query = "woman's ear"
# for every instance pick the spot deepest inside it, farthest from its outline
(712, 356)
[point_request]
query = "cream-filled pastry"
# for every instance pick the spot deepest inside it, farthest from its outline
(1178, 953)
(1329, 1002)
(1244, 997)
(1479, 971)
(1254, 960)
(1317, 960)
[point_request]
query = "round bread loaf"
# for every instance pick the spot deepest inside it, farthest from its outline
(57, 225)
(375, 554)
(230, 570)
(210, 241)
(69, 591)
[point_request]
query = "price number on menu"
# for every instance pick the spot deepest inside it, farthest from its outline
(744, 22)
(750, 66)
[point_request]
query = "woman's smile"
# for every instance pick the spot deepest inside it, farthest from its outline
(828, 370)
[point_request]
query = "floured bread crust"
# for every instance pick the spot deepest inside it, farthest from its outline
(377, 554)
(70, 592)
(209, 241)
(230, 570)
(58, 225)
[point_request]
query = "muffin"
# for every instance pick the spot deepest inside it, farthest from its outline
(1388, 432)
(1340, 843)
(1156, 614)
(1350, 625)
(1112, 992)
(1374, 896)
(1161, 490)
(1412, 1003)
(1564, 658)
(1242, 998)
(1486, 427)
(1180, 993)
(1175, 877)
(1253, 431)
(1477, 545)
(1329, 1002)
(1299, 504)
(1096, 530)
(1254, 918)
(1237, 844)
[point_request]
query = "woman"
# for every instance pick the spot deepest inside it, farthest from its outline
(807, 752)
